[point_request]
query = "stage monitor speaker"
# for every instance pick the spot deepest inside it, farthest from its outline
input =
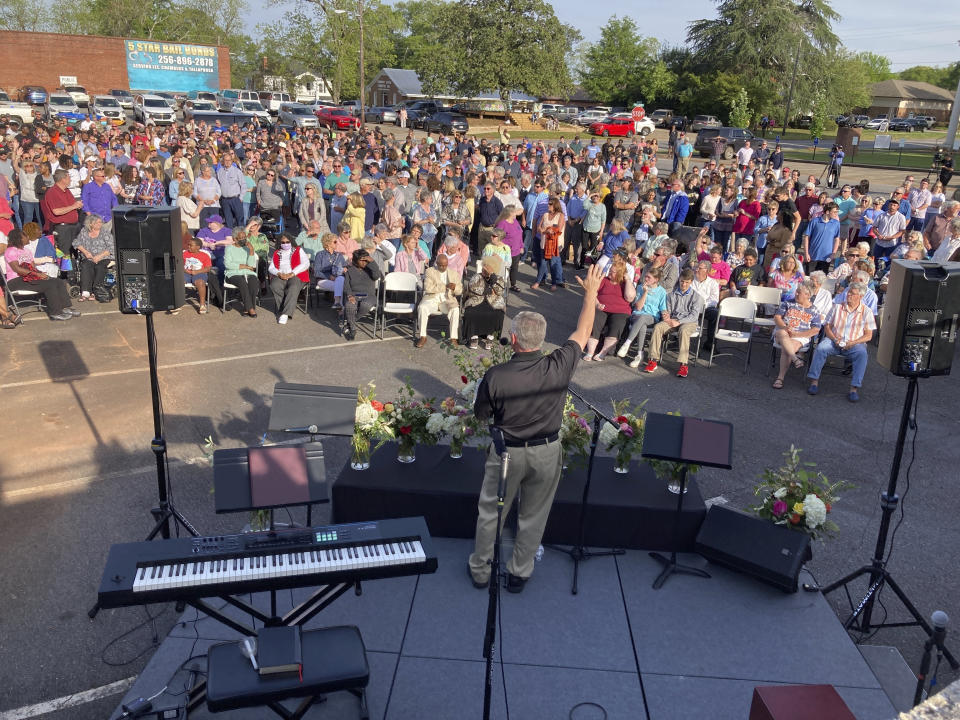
(754, 546)
(149, 258)
(920, 316)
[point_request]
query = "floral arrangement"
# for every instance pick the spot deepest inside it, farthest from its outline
(459, 423)
(626, 437)
(473, 365)
(408, 418)
(575, 433)
(369, 422)
(798, 496)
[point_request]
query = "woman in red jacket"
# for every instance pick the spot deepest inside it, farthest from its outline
(613, 307)
(289, 272)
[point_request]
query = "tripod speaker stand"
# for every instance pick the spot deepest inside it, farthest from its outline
(165, 510)
(861, 617)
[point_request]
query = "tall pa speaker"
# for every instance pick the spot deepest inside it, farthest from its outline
(149, 258)
(754, 546)
(920, 318)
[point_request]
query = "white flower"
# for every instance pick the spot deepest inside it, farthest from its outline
(469, 391)
(365, 416)
(435, 424)
(608, 434)
(780, 494)
(814, 511)
(451, 423)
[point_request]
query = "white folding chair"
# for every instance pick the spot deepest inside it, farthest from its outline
(734, 309)
(28, 298)
(399, 282)
(763, 296)
(830, 285)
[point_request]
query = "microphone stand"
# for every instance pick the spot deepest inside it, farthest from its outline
(579, 552)
(939, 621)
(490, 635)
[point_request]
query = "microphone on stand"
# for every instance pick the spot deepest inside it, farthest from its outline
(312, 429)
(939, 620)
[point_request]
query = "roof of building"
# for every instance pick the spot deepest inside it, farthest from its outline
(408, 83)
(910, 90)
(578, 95)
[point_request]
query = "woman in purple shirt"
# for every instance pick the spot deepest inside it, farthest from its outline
(513, 239)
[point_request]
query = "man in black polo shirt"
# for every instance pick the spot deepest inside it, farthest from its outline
(525, 398)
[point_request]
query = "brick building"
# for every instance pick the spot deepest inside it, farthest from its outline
(98, 63)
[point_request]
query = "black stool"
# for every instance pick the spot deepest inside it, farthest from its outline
(333, 659)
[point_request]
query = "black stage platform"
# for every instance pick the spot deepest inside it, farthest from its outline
(632, 510)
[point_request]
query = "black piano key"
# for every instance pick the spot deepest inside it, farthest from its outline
(143, 572)
(153, 572)
(274, 563)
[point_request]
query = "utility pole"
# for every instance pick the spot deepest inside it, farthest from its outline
(363, 99)
(954, 116)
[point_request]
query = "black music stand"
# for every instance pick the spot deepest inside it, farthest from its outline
(691, 441)
(313, 409)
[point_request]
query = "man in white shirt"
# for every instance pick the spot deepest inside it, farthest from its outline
(949, 245)
(744, 155)
(709, 290)
(441, 291)
(919, 199)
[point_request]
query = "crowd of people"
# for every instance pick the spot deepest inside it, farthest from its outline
(264, 211)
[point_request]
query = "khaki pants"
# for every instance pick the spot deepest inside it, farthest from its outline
(535, 472)
(684, 165)
(661, 329)
(434, 305)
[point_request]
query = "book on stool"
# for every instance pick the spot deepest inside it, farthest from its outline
(279, 651)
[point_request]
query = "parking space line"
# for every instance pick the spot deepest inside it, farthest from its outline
(191, 363)
(67, 701)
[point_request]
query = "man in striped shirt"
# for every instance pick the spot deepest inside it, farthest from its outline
(848, 329)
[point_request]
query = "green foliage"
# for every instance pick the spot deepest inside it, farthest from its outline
(946, 78)
(877, 66)
(500, 46)
(622, 67)
(26, 16)
(740, 113)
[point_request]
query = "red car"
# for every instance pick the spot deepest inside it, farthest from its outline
(337, 117)
(613, 126)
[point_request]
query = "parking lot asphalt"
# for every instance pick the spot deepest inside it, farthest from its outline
(77, 474)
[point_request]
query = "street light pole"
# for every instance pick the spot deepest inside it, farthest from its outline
(363, 100)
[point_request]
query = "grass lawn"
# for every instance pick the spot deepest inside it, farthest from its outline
(936, 135)
(912, 159)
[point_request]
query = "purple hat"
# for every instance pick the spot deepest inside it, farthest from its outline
(215, 219)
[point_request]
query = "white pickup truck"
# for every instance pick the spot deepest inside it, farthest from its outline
(20, 110)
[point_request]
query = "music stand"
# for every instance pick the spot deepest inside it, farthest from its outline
(313, 409)
(690, 441)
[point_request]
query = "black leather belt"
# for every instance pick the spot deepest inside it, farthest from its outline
(532, 443)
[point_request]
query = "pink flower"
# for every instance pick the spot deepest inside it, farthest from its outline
(582, 423)
(626, 429)
(779, 507)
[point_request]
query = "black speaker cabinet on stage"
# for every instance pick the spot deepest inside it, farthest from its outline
(920, 316)
(149, 258)
(754, 546)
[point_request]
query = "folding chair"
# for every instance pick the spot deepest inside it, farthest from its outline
(734, 308)
(695, 335)
(399, 282)
(372, 317)
(28, 298)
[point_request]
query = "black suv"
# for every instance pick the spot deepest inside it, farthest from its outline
(446, 123)
(734, 138)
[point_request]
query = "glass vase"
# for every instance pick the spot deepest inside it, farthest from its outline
(673, 484)
(456, 448)
(622, 463)
(360, 457)
(406, 449)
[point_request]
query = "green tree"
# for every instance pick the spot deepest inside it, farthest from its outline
(26, 16)
(878, 66)
(499, 46)
(946, 77)
(740, 112)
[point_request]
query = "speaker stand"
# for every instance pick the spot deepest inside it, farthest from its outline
(861, 617)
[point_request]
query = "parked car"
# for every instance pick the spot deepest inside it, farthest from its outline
(446, 122)
(704, 122)
(588, 117)
(218, 119)
(380, 114)
(18, 113)
(153, 110)
(929, 120)
(169, 97)
(226, 99)
(621, 126)
(661, 117)
(316, 104)
(802, 121)
(124, 97)
(734, 139)
(908, 125)
(852, 120)
(352, 105)
(253, 107)
(34, 94)
(60, 104)
(194, 106)
(107, 106)
(78, 93)
(272, 100)
(194, 95)
(296, 115)
(338, 117)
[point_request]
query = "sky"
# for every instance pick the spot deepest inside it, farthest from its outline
(886, 27)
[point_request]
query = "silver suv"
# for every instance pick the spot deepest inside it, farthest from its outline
(296, 115)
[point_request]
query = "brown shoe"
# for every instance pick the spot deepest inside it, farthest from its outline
(421, 341)
(454, 342)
